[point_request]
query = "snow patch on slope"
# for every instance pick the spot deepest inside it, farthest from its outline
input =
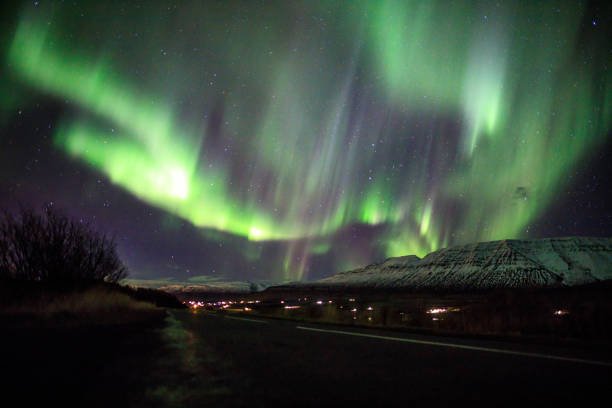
(496, 264)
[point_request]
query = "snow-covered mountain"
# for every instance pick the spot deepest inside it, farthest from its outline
(235, 287)
(217, 287)
(497, 264)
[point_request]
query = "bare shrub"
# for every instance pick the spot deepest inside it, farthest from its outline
(50, 247)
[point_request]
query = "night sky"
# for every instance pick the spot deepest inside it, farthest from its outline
(288, 140)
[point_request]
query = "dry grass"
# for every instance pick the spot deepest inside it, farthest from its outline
(93, 306)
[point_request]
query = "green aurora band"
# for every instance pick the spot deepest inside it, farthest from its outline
(312, 142)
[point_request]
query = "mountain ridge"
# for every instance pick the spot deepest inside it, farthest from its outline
(508, 263)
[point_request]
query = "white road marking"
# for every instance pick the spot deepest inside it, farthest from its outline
(461, 346)
(246, 319)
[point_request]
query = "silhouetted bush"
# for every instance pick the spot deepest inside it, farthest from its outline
(50, 247)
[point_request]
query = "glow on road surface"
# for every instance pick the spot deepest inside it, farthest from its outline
(460, 346)
(246, 319)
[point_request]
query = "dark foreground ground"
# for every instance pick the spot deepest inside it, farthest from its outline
(212, 359)
(79, 366)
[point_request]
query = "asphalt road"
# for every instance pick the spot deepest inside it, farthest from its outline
(283, 363)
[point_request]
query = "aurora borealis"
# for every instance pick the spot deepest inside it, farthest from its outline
(291, 140)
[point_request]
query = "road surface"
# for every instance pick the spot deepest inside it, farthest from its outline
(284, 363)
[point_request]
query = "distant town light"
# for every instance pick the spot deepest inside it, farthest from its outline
(437, 310)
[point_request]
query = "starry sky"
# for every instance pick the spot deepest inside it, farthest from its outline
(289, 140)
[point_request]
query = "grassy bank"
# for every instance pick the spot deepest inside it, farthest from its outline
(33, 304)
(95, 345)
